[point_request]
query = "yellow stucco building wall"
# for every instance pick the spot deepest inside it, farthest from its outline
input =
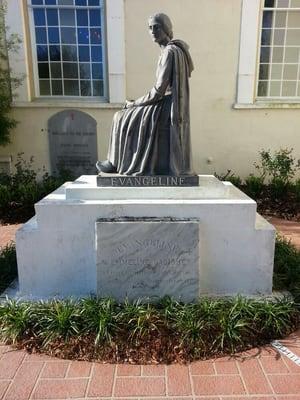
(223, 137)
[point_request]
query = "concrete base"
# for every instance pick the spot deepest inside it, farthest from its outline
(13, 292)
(58, 252)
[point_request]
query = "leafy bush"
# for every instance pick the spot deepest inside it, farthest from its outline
(278, 188)
(254, 186)
(274, 187)
(296, 189)
(287, 267)
(20, 190)
(8, 265)
(279, 168)
(8, 82)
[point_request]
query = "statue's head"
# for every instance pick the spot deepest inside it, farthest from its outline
(160, 27)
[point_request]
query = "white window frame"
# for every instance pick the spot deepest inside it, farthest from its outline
(248, 61)
(22, 62)
(35, 60)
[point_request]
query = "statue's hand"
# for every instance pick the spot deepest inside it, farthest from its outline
(129, 104)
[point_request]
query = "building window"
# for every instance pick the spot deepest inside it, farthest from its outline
(69, 47)
(279, 62)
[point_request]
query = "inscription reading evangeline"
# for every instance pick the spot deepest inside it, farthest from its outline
(135, 181)
(148, 181)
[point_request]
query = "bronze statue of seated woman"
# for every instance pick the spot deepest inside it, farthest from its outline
(151, 135)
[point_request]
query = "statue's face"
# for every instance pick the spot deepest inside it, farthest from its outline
(156, 32)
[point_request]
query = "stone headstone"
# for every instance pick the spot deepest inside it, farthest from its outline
(73, 142)
(148, 257)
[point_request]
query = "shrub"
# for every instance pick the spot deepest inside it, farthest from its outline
(8, 82)
(279, 168)
(20, 190)
(287, 267)
(254, 186)
(279, 188)
(8, 265)
(296, 189)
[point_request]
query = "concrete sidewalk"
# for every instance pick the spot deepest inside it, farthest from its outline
(260, 374)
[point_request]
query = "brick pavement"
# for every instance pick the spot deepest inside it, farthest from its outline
(7, 233)
(260, 374)
(290, 229)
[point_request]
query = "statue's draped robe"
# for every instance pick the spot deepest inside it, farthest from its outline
(156, 129)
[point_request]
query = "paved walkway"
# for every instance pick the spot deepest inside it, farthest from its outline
(255, 375)
(7, 233)
(290, 229)
(264, 374)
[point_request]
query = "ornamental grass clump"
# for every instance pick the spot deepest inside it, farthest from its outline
(99, 318)
(55, 320)
(15, 320)
(143, 332)
(141, 321)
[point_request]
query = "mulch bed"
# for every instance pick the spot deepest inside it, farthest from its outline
(155, 350)
(286, 208)
(16, 214)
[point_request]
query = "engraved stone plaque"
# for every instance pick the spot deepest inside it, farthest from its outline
(111, 180)
(73, 142)
(144, 257)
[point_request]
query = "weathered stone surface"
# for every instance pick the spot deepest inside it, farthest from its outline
(56, 250)
(73, 142)
(148, 258)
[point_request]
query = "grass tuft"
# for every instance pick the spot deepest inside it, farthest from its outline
(166, 331)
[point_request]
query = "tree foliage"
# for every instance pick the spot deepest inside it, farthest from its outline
(9, 43)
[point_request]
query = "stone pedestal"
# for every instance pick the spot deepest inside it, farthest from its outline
(136, 242)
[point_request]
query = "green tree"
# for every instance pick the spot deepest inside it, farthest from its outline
(9, 42)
